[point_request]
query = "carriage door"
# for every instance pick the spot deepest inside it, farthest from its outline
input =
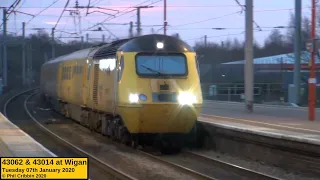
(115, 85)
(117, 78)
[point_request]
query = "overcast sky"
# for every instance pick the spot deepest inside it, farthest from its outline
(191, 19)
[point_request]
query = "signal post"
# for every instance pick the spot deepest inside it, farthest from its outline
(312, 80)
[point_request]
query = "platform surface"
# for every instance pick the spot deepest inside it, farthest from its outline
(16, 143)
(274, 121)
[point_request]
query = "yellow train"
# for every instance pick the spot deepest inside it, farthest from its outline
(131, 89)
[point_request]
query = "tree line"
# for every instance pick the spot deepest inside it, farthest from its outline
(276, 43)
(38, 49)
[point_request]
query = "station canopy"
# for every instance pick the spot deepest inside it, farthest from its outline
(281, 59)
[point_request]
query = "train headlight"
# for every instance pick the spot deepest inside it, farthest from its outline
(160, 45)
(133, 98)
(186, 98)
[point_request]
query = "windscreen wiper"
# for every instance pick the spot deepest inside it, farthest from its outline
(153, 70)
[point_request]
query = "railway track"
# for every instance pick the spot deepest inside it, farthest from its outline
(208, 168)
(193, 165)
(98, 169)
(179, 169)
(230, 167)
(198, 175)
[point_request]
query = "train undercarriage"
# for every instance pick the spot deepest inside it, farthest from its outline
(114, 128)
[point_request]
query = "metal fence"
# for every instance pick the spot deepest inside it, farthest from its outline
(235, 92)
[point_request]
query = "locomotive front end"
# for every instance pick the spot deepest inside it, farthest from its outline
(160, 90)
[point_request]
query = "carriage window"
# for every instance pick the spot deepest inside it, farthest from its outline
(161, 65)
(107, 64)
(69, 72)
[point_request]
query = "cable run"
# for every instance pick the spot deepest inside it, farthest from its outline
(62, 13)
(39, 13)
(234, 34)
(108, 19)
(196, 22)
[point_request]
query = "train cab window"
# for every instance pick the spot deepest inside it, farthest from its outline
(161, 65)
(121, 67)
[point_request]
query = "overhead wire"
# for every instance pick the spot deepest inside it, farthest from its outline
(38, 14)
(13, 6)
(233, 34)
(96, 2)
(175, 6)
(89, 1)
(42, 11)
(135, 9)
(67, 3)
(232, 28)
(23, 2)
(258, 10)
(168, 6)
(116, 16)
(244, 9)
(196, 22)
(9, 11)
(171, 27)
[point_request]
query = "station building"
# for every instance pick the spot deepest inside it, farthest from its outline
(272, 77)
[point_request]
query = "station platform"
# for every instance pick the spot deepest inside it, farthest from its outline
(16, 143)
(268, 120)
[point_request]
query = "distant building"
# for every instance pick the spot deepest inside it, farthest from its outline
(272, 69)
(272, 76)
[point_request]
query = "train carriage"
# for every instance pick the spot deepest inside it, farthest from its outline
(130, 89)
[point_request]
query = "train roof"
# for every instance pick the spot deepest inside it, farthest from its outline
(146, 43)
